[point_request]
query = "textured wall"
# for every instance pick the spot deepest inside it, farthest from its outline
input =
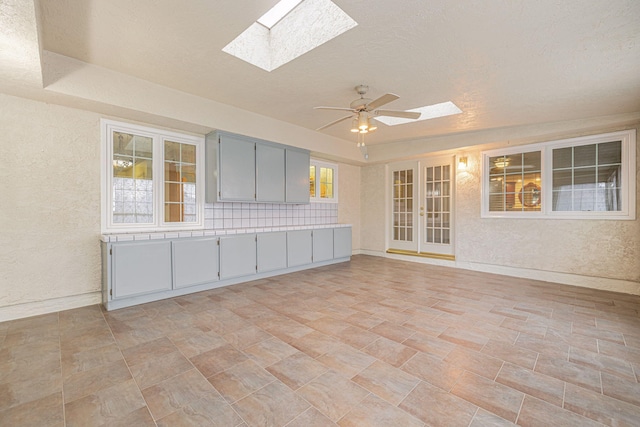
(373, 207)
(49, 201)
(596, 248)
(349, 211)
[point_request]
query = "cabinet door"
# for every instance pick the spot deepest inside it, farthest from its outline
(322, 244)
(272, 251)
(140, 268)
(237, 255)
(297, 167)
(195, 262)
(270, 172)
(299, 247)
(237, 168)
(342, 242)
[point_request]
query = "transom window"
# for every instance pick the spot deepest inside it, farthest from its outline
(151, 179)
(323, 181)
(585, 177)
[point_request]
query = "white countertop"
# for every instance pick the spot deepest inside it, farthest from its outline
(124, 237)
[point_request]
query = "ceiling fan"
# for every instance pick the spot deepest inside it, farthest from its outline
(363, 110)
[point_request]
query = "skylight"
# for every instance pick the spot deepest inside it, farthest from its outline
(427, 112)
(290, 29)
(277, 12)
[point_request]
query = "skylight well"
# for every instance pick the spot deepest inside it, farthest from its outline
(277, 12)
(427, 112)
(288, 30)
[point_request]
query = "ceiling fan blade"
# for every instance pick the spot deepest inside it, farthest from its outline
(395, 113)
(384, 99)
(333, 108)
(335, 122)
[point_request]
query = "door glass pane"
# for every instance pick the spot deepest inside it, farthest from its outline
(437, 203)
(132, 183)
(403, 205)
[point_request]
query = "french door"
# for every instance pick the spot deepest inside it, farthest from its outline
(422, 206)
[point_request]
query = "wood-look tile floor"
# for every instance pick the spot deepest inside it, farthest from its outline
(373, 342)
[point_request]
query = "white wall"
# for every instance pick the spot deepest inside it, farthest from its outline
(349, 211)
(602, 254)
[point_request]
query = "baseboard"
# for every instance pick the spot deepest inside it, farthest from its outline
(601, 283)
(36, 308)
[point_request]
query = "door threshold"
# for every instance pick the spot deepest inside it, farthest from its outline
(422, 254)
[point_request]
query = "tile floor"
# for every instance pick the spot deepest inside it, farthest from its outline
(373, 342)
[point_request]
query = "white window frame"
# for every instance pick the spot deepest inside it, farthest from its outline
(628, 174)
(318, 164)
(158, 136)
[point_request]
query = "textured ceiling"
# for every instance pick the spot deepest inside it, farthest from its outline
(503, 62)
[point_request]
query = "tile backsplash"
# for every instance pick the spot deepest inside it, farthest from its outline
(223, 215)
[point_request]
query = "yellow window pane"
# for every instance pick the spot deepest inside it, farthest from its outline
(329, 191)
(312, 181)
(143, 169)
(122, 167)
(143, 146)
(330, 175)
(323, 174)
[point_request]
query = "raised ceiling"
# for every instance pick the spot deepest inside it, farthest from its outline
(503, 62)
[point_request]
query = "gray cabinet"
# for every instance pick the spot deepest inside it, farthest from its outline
(141, 268)
(322, 244)
(270, 173)
(240, 168)
(195, 261)
(299, 248)
(297, 176)
(236, 166)
(237, 255)
(272, 251)
(342, 242)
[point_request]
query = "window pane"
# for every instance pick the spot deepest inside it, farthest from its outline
(179, 182)
(171, 151)
(562, 158)
(584, 177)
(132, 185)
(532, 162)
(562, 179)
(584, 155)
(610, 153)
(496, 202)
(312, 181)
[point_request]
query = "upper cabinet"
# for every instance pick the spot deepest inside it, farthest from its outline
(297, 176)
(245, 169)
(270, 173)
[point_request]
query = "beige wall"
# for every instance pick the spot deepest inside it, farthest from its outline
(349, 200)
(50, 202)
(373, 207)
(593, 253)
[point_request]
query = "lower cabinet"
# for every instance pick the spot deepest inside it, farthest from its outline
(136, 272)
(272, 251)
(342, 242)
(299, 248)
(141, 268)
(195, 261)
(237, 255)
(322, 244)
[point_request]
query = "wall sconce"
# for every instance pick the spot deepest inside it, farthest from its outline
(462, 163)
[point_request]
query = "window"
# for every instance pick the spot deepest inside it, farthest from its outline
(578, 178)
(323, 181)
(150, 179)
